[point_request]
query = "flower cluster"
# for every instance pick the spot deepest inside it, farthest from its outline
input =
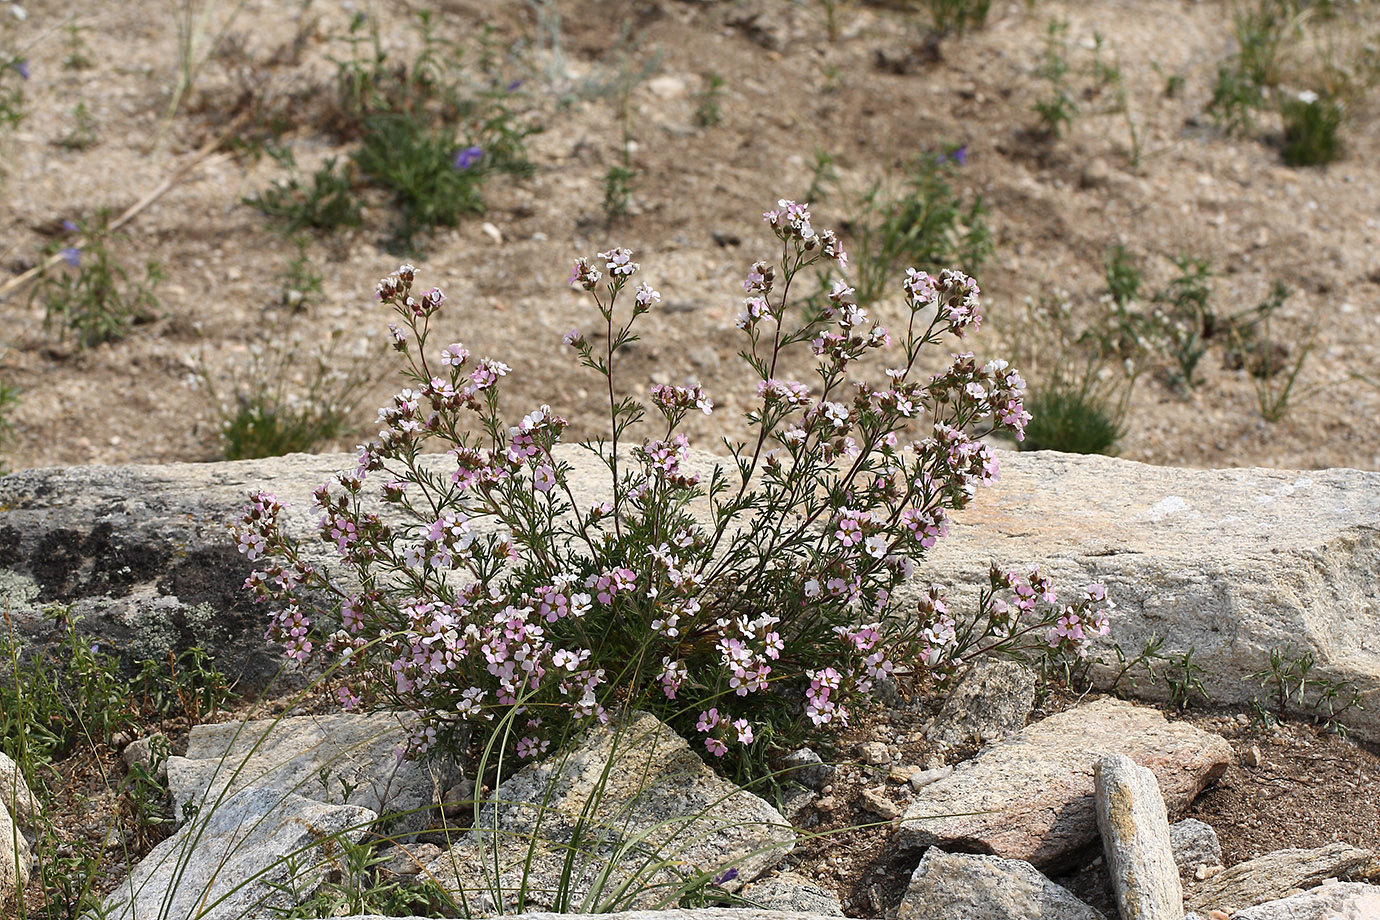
(725, 597)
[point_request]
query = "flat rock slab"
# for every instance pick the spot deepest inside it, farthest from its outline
(946, 886)
(1227, 563)
(1264, 878)
(1338, 901)
(1032, 797)
(337, 759)
(791, 892)
(235, 862)
(662, 817)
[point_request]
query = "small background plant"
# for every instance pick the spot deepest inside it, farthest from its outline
(94, 296)
(290, 394)
(429, 133)
(1081, 386)
(925, 223)
(327, 203)
(1058, 109)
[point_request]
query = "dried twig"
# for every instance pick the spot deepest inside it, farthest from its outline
(133, 210)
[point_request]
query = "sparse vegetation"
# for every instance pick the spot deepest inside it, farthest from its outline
(90, 293)
(289, 395)
(925, 224)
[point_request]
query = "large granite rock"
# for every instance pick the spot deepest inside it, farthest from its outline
(1226, 563)
(1265, 878)
(662, 817)
(1031, 797)
(144, 557)
(337, 759)
(1229, 563)
(15, 795)
(953, 885)
(257, 852)
(1135, 841)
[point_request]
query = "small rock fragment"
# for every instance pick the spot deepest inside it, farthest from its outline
(1195, 846)
(874, 753)
(805, 767)
(919, 779)
(875, 801)
(149, 754)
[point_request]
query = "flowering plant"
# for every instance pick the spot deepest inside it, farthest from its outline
(753, 594)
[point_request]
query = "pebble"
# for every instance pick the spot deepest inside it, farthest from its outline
(919, 779)
(1253, 757)
(875, 801)
(874, 753)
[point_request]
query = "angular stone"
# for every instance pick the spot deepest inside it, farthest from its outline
(1195, 844)
(874, 753)
(1338, 901)
(15, 796)
(150, 754)
(340, 759)
(235, 862)
(993, 698)
(879, 803)
(660, 804)
(805, 767)
(951, 885)
(789, 891)
(406, 861)
(1262, 879)
(1227, 563)
(1031, 796)
(1135, 840)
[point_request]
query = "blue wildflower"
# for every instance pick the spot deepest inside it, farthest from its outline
(72, 255)
(514, 86)
(466, 158)
(728, 876)
(69, 226)
(23, 68)
(960, 155)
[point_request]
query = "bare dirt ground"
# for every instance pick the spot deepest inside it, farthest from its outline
(1056, 207)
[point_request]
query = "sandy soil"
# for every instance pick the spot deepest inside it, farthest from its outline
(1056, 208)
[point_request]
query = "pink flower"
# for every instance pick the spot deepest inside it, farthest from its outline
(544, 478)
(744, 731)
